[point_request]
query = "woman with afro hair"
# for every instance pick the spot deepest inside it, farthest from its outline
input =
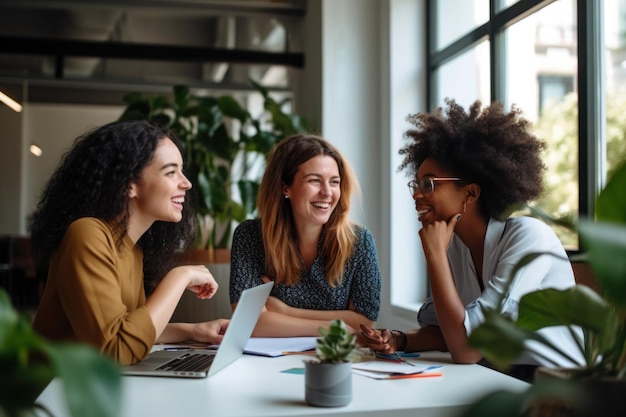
(469, 171)
(112, 214)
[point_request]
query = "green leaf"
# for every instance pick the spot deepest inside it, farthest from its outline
(231, 108)
(501, 403)
(281, 121)
(605, 244)
(238, 212)
(264, 92)
(214, 189)
(336, 344)
(299, 123)
(205, 186)
(86, 394)
(132, 98)
(525, 260)
(21, 384)
(218, 143)
(9, 317)
(182, 96)
(611, 202)
(262, 142)
(161, 119)
(159, 103)
(578, 305)
(248, 190)
(137, 110)
(500, 341)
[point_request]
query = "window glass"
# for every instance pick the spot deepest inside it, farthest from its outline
(503, 4)
(615, 82)
(540, 78)
(456, 18)
(465, 78)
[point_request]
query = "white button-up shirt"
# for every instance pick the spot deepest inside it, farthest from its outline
(506, 242)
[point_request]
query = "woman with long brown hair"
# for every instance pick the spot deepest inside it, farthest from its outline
(324, 266)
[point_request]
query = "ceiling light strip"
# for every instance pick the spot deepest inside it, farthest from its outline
(10, 102)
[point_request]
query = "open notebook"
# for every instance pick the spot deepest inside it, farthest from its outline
(203, 363)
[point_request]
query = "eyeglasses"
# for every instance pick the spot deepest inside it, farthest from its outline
(427, 184)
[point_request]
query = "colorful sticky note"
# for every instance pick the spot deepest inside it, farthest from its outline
(297, 371)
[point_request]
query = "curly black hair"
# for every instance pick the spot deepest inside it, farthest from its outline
(92, 180)
(487, 146)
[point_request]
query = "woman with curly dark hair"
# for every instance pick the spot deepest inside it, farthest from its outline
(113, 213)
(469, 170)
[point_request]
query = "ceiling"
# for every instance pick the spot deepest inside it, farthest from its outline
(95, 51)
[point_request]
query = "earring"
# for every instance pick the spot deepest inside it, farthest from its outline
(464, 206)
(286, 197)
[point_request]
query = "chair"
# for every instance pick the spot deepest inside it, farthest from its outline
(6, 268)
(17, 272)
(191, 309)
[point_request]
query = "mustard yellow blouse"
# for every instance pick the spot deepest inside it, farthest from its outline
(95, 294)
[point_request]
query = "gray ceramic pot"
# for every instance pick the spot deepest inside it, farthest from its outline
(328, 384)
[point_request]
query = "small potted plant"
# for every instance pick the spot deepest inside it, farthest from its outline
(328, 380)
(595, 387)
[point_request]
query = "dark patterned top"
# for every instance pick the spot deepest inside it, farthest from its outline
(360, 283)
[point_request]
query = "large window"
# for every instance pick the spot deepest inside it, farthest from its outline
(563, 62)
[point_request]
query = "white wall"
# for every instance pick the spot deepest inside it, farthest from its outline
(368, 89)
(53, 128)
(404, 90)
(351, 107)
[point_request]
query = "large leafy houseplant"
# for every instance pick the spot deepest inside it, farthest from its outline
(225, 149)
(601, 316)
(92, 383)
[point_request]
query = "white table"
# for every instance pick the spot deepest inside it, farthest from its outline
(254, 386)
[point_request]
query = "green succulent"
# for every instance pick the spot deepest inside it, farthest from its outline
(336, 344)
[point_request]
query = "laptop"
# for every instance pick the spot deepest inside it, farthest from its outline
(195, 363)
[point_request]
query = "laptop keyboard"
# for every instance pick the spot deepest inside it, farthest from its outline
(189, 362)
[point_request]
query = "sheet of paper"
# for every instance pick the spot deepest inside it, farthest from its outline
(391, 367)
(278, 346)
(385, 375)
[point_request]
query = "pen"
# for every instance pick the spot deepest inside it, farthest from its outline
(394, 356)
(389, 359)
(401, 359)
(421, 375)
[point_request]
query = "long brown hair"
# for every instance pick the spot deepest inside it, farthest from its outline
(282, 257)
